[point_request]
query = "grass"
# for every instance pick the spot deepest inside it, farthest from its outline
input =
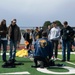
(26, 66)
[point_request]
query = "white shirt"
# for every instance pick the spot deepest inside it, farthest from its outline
(54, 33)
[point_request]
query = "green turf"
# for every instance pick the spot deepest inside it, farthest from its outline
(27, 66)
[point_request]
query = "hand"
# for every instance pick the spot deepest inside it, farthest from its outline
(1, 31)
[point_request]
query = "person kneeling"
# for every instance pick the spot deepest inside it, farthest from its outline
(43, 50)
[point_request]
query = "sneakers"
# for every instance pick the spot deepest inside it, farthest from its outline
(8, 65)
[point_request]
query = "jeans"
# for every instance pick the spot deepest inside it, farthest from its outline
(55, 47)
(65, 44)
(4, 44)
(0, 42)
(12, 50)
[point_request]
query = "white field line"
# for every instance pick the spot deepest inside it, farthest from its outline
(2, 53)
(21, 73)
(66, 52)
(58, 53)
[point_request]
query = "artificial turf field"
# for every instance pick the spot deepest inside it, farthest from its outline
(26, 69)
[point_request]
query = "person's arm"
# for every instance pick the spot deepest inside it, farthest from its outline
(4, 31)
(61, 32)
(19, 35)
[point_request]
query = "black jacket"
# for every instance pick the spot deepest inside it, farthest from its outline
(67, 33)
(26, 36)
(3, 31)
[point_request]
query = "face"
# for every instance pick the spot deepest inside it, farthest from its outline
(54, 25)
(13, 22)
(49, 27)
(64, 25)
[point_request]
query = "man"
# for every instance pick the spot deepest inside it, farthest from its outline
(66, 34)
(43, 50)
(14, 36)
(54, 37)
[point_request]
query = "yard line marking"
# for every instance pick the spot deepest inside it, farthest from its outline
(66, 52)
(45, 70)
(17, 73)
(67, 61)
(6, 53)
(70, 63)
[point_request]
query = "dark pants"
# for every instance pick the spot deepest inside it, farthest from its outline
(65, 44)
(4, 44)
(38, 58)
(55, 46)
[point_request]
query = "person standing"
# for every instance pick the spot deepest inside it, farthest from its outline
(54, 37)
(36, 34)
(14, 36)
(66, 34)
(48, 29)
(3, 38)
(26, 37)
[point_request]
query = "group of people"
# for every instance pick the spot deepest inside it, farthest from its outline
(47, 46)
(45, 41)
(11, 33)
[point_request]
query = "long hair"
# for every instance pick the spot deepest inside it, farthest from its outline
(2, 23)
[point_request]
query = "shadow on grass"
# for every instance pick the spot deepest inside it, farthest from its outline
(24, 61)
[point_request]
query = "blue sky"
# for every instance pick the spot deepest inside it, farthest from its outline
(32, 13)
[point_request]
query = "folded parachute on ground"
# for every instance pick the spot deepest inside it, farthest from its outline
(22, 53)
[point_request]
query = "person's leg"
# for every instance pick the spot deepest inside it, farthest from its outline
(45, 62)
(56, 48)
(4, 42)
(14, 51)
(52, 41)
(0, 42)
(0, 45)
(11, 49)
(35, 61)
(63, 50)
(68, 51)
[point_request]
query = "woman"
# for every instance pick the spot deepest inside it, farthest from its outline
(3, 38)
